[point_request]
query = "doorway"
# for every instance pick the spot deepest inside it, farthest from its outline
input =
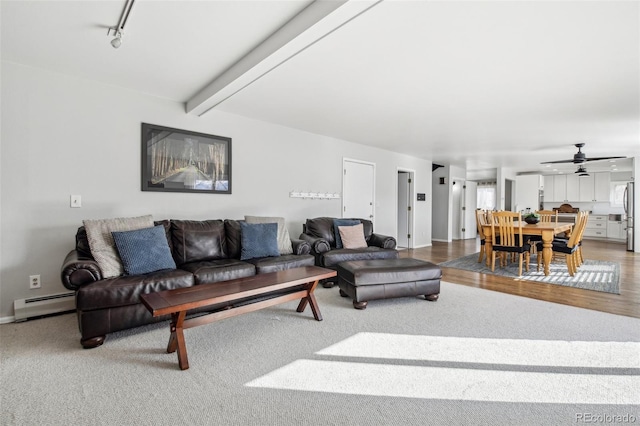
(358, 189)
(405, 207)
(508, 194)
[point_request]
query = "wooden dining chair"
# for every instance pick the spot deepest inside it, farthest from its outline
(548, 216)
(481, 219)
(507, 238)
(580, 258)
(569, 248)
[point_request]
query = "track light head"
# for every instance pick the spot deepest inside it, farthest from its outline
(117, 41)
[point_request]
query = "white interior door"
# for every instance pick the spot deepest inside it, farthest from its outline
(404, 208)
(358, 189)
(457, 219)
(470, 202)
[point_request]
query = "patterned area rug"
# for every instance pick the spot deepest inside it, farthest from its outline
(597, 275)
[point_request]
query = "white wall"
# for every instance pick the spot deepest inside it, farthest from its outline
(527, 192)
(62, 135)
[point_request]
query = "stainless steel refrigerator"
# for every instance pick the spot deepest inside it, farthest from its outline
(629, 205)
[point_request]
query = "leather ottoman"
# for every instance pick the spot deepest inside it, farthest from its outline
(364, 280)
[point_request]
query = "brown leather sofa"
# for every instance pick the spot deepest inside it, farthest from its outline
(320, 234)
(212, 254)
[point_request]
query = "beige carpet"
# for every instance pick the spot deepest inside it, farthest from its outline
(473, 357)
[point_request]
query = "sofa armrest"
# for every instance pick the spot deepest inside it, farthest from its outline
(318, 245)
(382, 241)
(78, 270)
(300, 247)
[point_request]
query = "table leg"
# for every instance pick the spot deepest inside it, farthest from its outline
(547, 252)
(488, 249)
(176, 339)
(311, 300)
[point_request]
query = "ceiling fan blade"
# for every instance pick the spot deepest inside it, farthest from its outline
(557, 162)
(602, 158)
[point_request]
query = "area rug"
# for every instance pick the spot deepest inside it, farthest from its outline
(597, 275)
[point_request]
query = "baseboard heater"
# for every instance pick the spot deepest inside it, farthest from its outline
(43, 305)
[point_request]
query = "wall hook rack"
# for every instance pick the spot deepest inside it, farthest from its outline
(315, 195)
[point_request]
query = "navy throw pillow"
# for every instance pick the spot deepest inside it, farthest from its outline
(342, 222)
(258, 240)
(144, 250)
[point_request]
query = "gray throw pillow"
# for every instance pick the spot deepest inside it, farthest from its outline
(103, 248)
(284, 240)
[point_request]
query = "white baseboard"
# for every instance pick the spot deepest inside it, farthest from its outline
(7, 320)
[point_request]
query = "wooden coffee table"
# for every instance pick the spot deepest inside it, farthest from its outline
(268, 289)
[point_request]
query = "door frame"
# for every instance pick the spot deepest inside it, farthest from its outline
(412, 196)
(346, 160)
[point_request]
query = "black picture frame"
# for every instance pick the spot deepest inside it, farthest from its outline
(175, 160)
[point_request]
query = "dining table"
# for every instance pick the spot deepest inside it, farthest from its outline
(546, 230)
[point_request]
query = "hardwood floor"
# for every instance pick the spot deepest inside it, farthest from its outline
(626, 303)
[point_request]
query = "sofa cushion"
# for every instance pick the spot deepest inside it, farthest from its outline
(144, 250)
(333, 257)
(103, 248)
(259, 240)
(352, 236)
(126, 290)
(212, 271)
(287, 261)
(195, 241)
(284, 240)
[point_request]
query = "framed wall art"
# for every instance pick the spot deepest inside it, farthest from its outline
(175, 160)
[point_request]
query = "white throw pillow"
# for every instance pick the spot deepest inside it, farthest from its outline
(284, 241)
(102, 245)
(352, 236)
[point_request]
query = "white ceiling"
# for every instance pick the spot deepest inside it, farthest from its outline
(478, 84)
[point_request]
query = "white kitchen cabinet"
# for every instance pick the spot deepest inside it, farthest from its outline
(559, 188)
(617, 230)
(549, 188)
(573, 187)
(586, 188)
(602, 187)
(596, 226)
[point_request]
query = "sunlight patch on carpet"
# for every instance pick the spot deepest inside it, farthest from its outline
(470, 382)
(489, 351)
(451, 383)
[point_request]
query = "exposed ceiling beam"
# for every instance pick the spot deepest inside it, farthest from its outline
(313, 23)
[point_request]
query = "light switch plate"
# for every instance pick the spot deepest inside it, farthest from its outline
(76, 201)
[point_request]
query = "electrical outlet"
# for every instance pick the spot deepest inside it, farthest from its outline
(34, 281)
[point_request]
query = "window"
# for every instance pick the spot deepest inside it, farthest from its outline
(486, 195)
(617, 193)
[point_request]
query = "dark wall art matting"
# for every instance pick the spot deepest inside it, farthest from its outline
(175, 160)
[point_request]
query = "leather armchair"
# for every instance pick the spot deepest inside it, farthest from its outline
(320, 234)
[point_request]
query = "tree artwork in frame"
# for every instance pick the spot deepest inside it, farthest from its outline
(175, 160)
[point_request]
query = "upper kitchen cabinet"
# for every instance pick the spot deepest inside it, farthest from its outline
(572, 188)
(559, 187)
(595, 188)
(602, 187)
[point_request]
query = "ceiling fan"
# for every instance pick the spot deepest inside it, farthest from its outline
(580, 157)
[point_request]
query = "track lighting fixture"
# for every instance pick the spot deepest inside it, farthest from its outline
(116, 42)
(119, 30)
